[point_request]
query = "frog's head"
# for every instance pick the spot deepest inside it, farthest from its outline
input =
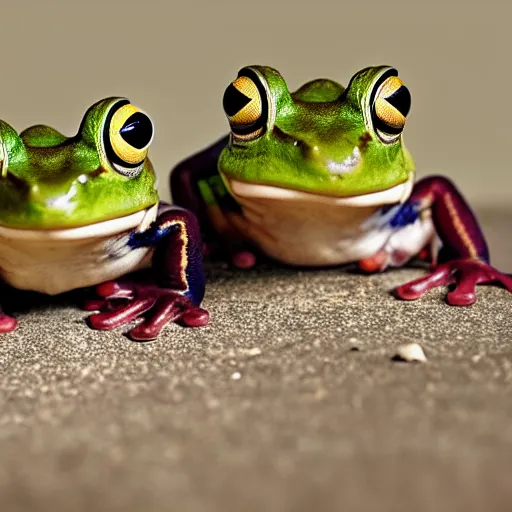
(49, 181)
(322, 139)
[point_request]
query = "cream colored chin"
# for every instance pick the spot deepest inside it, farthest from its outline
(98, 230)
(396, 194)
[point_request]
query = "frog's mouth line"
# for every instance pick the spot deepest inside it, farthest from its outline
(397, 194)
(140, 220)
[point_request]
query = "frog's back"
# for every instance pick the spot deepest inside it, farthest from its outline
(319, 91)
(42, 136)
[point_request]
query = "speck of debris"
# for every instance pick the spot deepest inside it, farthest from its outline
(236, 376)
(410, 352)
(354, 349)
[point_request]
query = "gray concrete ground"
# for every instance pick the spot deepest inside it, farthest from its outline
(268, 408)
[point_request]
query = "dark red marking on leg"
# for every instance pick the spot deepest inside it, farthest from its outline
(465, 255)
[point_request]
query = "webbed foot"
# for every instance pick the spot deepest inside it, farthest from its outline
(123, 301)
(464, 273)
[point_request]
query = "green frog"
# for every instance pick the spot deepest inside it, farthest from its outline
(321, 177)
(83, 211)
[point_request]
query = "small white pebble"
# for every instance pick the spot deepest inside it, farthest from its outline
(254, 351)
(410, 352)
(236, 376)
(476, 358)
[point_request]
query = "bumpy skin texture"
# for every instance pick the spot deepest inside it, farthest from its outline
(52, 182)
(304, 137)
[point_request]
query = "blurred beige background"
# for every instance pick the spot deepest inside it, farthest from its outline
(175, 59)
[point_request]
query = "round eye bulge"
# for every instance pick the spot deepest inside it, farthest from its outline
(390, 107)
(245, 106)
(128, 134)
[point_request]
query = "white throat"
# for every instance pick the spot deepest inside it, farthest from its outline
(302, 228)
(396, 194)
(58, 260)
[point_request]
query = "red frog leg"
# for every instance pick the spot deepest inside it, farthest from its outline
(465, 255)
(173, 290)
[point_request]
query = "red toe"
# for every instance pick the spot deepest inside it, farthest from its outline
(7, 323)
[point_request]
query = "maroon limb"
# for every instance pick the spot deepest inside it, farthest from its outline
(126, 300)
(173, 290)
(464, 258)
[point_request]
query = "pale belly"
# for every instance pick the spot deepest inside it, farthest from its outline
(56, 261)
(311, 234)
(314, 231)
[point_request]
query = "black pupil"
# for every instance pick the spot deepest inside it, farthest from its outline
(137, 130)
(401, 100)
(234, 100)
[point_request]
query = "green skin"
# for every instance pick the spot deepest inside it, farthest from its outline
(341, 143)
(320, 115)
(41, 189)
(52, 182)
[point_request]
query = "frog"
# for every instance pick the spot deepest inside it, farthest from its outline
(83, 213)
(321, 177)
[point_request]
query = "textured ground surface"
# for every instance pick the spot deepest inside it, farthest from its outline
(268, 408)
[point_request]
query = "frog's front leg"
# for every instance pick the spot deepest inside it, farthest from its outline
(464, 257)
(197, 186)
(176, 286)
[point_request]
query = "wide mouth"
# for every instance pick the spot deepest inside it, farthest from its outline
(103, 229)
(396, 194)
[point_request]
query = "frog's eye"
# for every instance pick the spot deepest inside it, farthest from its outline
(246, 107)
(391, 104)
(127, 134)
